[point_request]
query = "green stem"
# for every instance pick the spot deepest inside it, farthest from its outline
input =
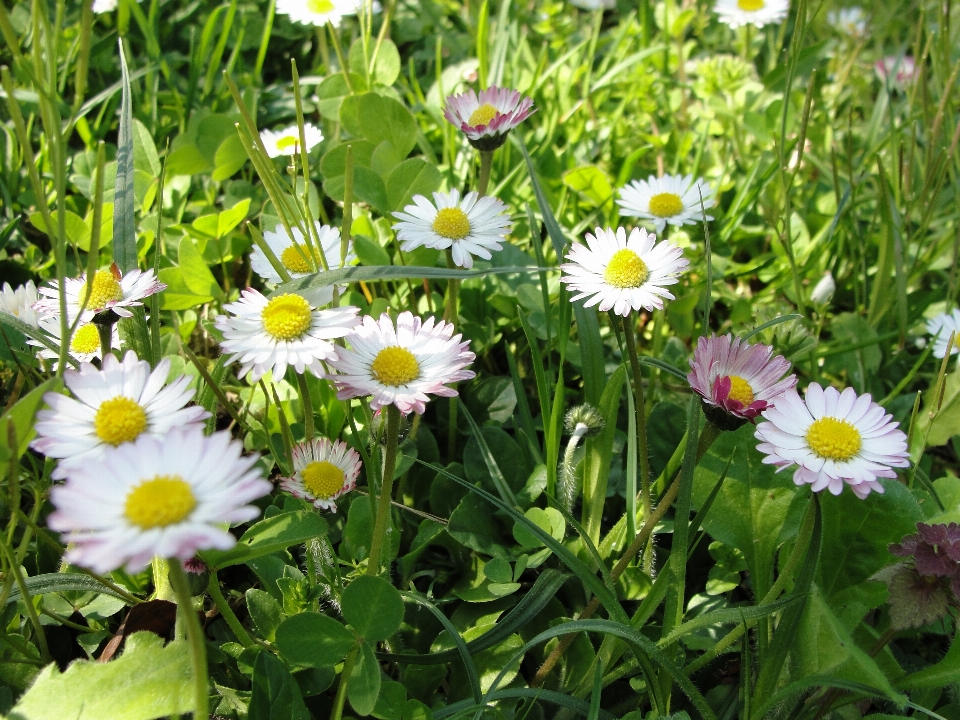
(307, 406)
(27, 602)
(640, 407)
(161, 580)
(348, 664)
(198, 648)
(486, 162)
(386, 489)
(105, 332)
(213, 587)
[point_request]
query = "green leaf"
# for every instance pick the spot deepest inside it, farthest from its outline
(391, 701)
(411, 177)
(383, 118)
(230, 157)
(222, 223)
(384, 159)
(145, 156)
(492, 457)
(275, 692)
(358, 534)
(313, 640)
(946, 424)
(387, 68)
(21, 416)
(265, 612)
(196, 275)
(124, 199)
(364, 687)
(939, 675)
(368, 187)
(332, 92)
(471, 525)
(186, 160)
(62, 582)
(373, 607)
(269, 536)
(178, 296)
(147, 681)
(369, 251)
(334, 163)
(75, 228)
(591, 182)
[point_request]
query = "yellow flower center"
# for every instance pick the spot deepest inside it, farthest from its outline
(105, 289)
(395, 366)
(482, 115)
(119, 420)
(320, 7)
(322, 479)
(451, 223)
(740, 390)
(85, 340)
(667, 204)
(286, 317)
(626, 270)
(834, 439)
(294, 258)
(750, 5)
(287, 141)
(162, 501)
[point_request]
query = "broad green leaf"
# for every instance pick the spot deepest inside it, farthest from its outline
(334, 162)
(591, 182)
(411, 177)
(369, 252)
(947, 422)
(368, 187)
(269, 536)
(939, 675)
(178, 296)
(314, 640)
(384, 159)
(383, 118)
(265, 612)
(391, 701)
(222, 223)
(20, 417)
(471, 525)
(77, 231)
(230, 157)
(145, 156)
(364, 687)
(196, 274)
(332, 92)
(186, 160)
(373, 607)
(358, 534)
(505, 452)
(385, 71)
(275, 692)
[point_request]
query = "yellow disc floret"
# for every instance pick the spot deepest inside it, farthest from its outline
(834, 439)
(119, 420)
(105, 288)
(322, 479)
(740, 390)
(294, 258)
(286, 317)
(452, 223)
(395, 366)
(666, 205)
(626, 270)
(320, 7)
(158, 502)
(287, 141)
(85, 340)
(482, 115)
(751, 5)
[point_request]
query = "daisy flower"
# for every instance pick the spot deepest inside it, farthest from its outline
(594, 4)
(111, 291)
(301, 259)
(849, 20)
(84, 343)
(271, 334)
(167, 497)
(317, 12)
(322, 472)
(758, 13)
(622, 273)
(945, 324)
(105, 6)
(287, 140)
(20, 302)
(905, 69)
(833, 438)
(672, 199)
(472, 226)
(737, 379)
(487, 118)
(111, 407)
(401, 364)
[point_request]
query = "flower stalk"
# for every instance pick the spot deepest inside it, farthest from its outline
(386, 489)
(198, 648)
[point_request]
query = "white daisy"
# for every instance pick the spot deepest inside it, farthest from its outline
(323, 471)
(758, 13)
(472, 226)
(941, 327)
(105, 6)
(271, 334)
(317, 12)
(301, 259)
(401, 364)
(833, 438)
(84, 343)
(20, 302)
(594, 4)
(111, 291)
(113, 406)
(487, 118)
(622, 273)
(851, 20)
(904, 69)
(287, 140)
(164, 496)
(673, 199)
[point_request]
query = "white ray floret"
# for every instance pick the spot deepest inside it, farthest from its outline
(758, 13)
(671, 199)
(323, 472)
(942, 327)
(286, 141)
(84, 343)
(20, 302)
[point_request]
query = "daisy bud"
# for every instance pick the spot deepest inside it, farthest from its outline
(823, 290)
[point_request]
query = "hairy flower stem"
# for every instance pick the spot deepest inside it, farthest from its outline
(486, 163)
(386, 489)
(640, 407)
(213, 587)
(348, 664)
(307, 406)
(162, 588)
(198, 648)
(105, 332)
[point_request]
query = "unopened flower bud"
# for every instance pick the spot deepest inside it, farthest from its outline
(823, 290)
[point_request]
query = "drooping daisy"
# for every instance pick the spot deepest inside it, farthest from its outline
(850, 21)
(623, 274)
(20, 302)
(736, 378)
(111, 407)
(487, 118)
(833, 438)
(111, 291)
(941, 327)
(472, 226)
(758, 13)
(285, 331)
(401, 364)
(323, 471)
(156, 497)
(672, 199)
(287, 140)
(84, 343)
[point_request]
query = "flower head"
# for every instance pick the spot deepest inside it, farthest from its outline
(84, 343)
(736, 378)
(758, 13)
(472, 226)
(594, 4)
(401, 364)
(942, 327)
(622, 273)
(824, 289)
(109, 291)
(111, 406)
(833, 438)
(105, 6)
(287, 140)
(903, 69)
(322, 472)
(317, 12)
(487, 118)
(20, 302)
(285, 331)
(850, 21)
(671, 199)
(156, 497)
